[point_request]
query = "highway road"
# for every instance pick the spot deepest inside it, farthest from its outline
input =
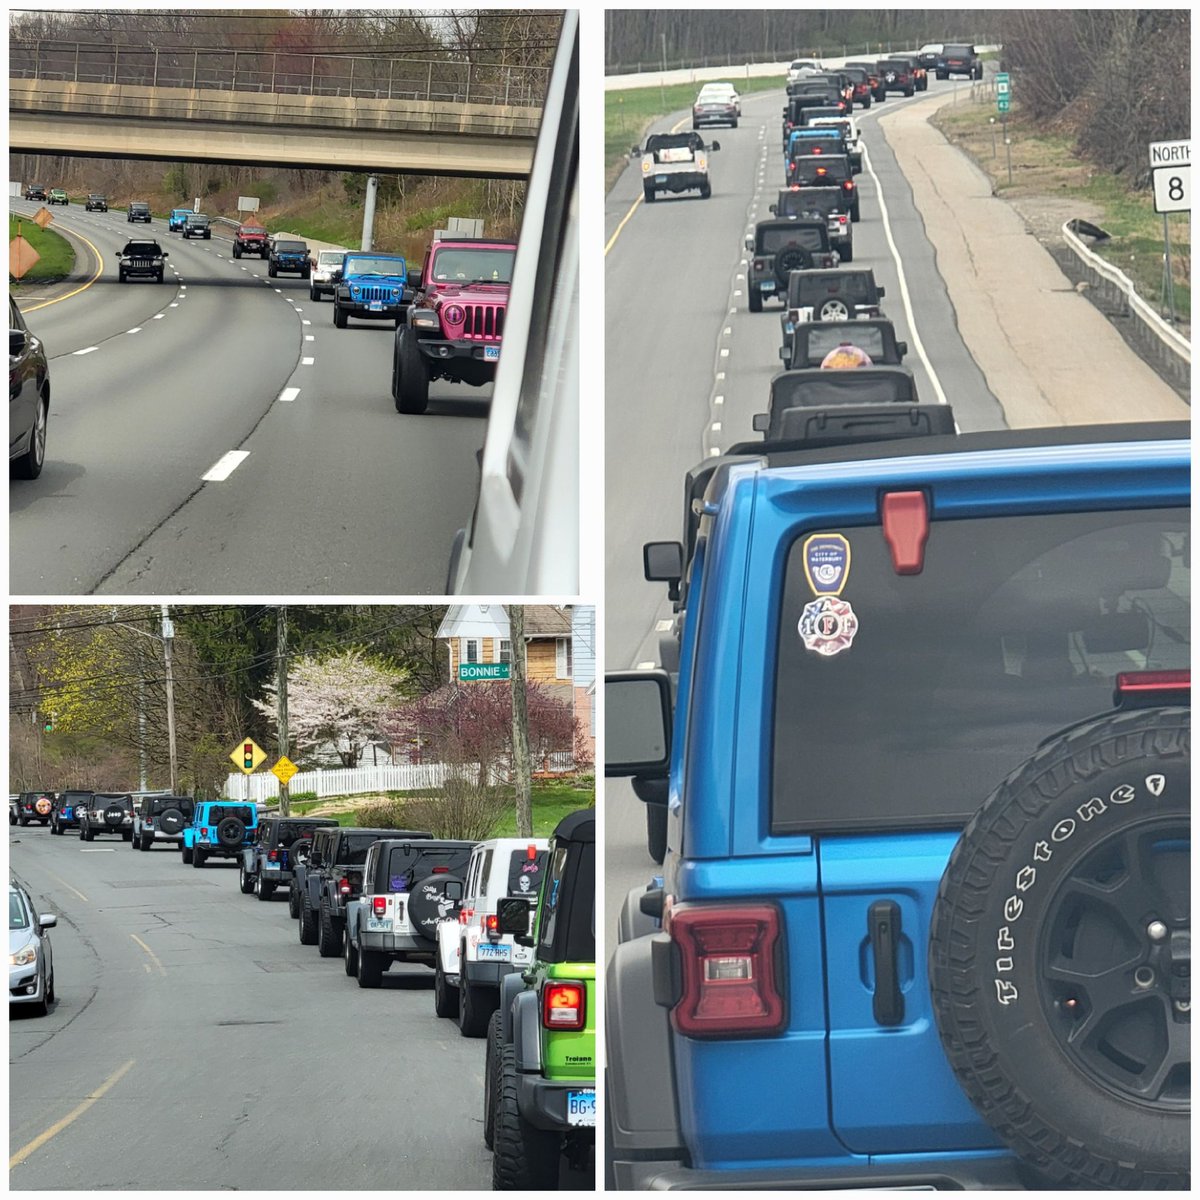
(688, 366)
(228, 1055)
(322, 488)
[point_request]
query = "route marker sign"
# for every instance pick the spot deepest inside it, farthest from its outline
(1002, 84)
(1002, 104)
(284, 769)
(248, 756)
(1003, 92)
(1172, 175)
(474, 672)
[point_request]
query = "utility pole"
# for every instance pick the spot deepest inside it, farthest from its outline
(168, 634)
(522, 776)
(281, 685)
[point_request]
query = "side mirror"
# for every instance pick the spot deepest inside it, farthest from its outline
(762, 421)
(165, 254)
(901, 348)
(772, 208)
(749, 243)
(881, 290)
(47, 921)
(512, 916)
(637, 706)
(635, 151)
(662, 562)
(715, 146)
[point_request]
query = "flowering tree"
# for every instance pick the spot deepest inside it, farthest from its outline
(339, 700)
(472, 724)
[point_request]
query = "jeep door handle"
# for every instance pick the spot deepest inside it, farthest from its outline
(883, 929)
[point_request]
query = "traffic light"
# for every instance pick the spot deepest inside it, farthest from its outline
(248, 755)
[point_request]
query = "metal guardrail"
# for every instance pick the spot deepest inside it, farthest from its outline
(1171, 350)
(444, 81)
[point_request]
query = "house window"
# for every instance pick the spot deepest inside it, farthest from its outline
(470, 650)
(505, 651)
(562, 658)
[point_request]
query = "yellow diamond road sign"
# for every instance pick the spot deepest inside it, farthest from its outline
(248, 755)
(284, 769)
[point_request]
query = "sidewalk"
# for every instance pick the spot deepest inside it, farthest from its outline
(1049, 357)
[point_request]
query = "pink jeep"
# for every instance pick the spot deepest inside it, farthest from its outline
(455, 324)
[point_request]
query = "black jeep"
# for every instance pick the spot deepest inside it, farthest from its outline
(107, 812)
(780, 247)
(96, 203)
(160, 817)
(138, 210)
(959, 59)
(841, 295)
(813, 341)
(267, 864)
(830, 204)
(33, 806)
(796, 394)
(826, 170)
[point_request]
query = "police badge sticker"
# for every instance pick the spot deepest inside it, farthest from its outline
(826, 563)
(828, 625)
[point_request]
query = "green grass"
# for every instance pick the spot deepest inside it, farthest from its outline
(1045, 164)
(628, 113)
(57, 258)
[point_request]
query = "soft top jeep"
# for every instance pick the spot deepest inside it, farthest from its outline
(841, 295)
(923, 920)
(539, 1075)
(813, 341)
(844, 127)
(266, 862)
(250, 239)
(219, 829)
(825, 170)
(829, 204)
(96, 203)
(373, 287)
(796, 395)
(455, 326)
(33, 806)
(779, 247)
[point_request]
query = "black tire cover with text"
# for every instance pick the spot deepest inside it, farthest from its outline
(1059, 955)
(427, 904)
(171, 821)
(114, 815)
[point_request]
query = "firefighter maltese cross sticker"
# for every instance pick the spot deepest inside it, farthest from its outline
(826, 563)
(828, 625)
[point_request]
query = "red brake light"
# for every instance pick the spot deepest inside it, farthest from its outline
(204, 831)
(439, 870)
(1133, 683)
(906, 528)
(273, 856)
(491, 923)
(379, 905)
(728, 968)
(564, 1006)
(344, 886)
(842, 219)
(531, 852)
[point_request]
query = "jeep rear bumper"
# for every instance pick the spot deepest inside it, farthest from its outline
(403, 947)
(543, 1102)
(216, 850)
(489, 974)
(679, 181)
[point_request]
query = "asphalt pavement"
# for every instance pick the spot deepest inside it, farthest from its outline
(224, 1054)
(329, 490)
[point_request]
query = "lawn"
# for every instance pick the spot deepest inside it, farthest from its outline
(57, 258)
(1045, 164)
(629, 112)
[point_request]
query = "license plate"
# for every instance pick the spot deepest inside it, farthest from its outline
(379, 924)
(491, 354)
(581, 1108)
(767, 285)
(270, 866)
(502, 953)
(375, 306)
(660, 179)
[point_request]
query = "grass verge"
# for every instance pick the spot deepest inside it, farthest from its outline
(1044, 164)
(629, 112)
(57, 259)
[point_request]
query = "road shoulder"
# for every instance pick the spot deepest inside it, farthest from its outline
(1048, 355)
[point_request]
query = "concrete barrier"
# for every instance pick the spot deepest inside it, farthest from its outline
(1156, 340)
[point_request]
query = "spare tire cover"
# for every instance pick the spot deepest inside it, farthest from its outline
(171, 821)
(114, 814)
(427, 904)
(791, 258)
(1059, 955)
(43, 806)
(231, 832)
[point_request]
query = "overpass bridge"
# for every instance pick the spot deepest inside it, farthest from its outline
(339, 112)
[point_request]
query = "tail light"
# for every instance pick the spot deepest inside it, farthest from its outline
(273, 856)
(729, 977)
(491, 926)
(1147, 689)
(848, 184)
(439, 870)
(379, 905)
(760, 264)
(204, 831)
(531, 852)
(564, 1006)
(344, 887)
(842, 218)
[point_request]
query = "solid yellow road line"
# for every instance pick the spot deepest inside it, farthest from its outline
(42, 1138)
(149, 952)
(65, 883)
(612, 241)
(82, 287)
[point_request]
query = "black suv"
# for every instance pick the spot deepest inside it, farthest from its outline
(289, 258)
(96, 203)
(64, 814)
(799, 397)
(35, 191)
(267, 864)
(108, 812)
(898, 75)
(138, 210)
(161, 817)
(826, 170)
(843, 294)
(141, 259)
(33, 806)
(198, 225)
(780, 247)
(959, 59)
(830, 204)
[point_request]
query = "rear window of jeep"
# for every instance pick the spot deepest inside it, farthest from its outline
(902, 701)
(410, 863)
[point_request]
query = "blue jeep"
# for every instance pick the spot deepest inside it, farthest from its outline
(219, 829)
(923, 920)
(178, 219)
(373, 287)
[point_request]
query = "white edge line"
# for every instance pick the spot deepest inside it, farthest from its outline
(87, 350)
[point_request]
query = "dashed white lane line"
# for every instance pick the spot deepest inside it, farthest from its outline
(646, 666)
(135, 329)
(718, 399)
(724, 351)
(288, 395)
(225, 466)
(87, 350)
(158, 316)
(663, 626)
(310, 337)
(305, 322)
(715, 427)
(173, 304)
(307, 362)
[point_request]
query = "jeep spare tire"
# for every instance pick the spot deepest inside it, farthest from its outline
(171, 821)
(43, 807)
(231, 832)
(428, 904)
(1059, 955)
(114, 815)
(791, 258)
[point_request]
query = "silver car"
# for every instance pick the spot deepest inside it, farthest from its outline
(30, 959)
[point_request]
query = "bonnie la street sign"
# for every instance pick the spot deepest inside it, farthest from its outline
(473, 672)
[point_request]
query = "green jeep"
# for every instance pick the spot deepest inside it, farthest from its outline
(540, 1071)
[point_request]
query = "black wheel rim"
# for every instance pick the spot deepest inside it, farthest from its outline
(1115, 961)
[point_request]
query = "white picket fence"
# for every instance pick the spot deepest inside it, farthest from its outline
(354, 781)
